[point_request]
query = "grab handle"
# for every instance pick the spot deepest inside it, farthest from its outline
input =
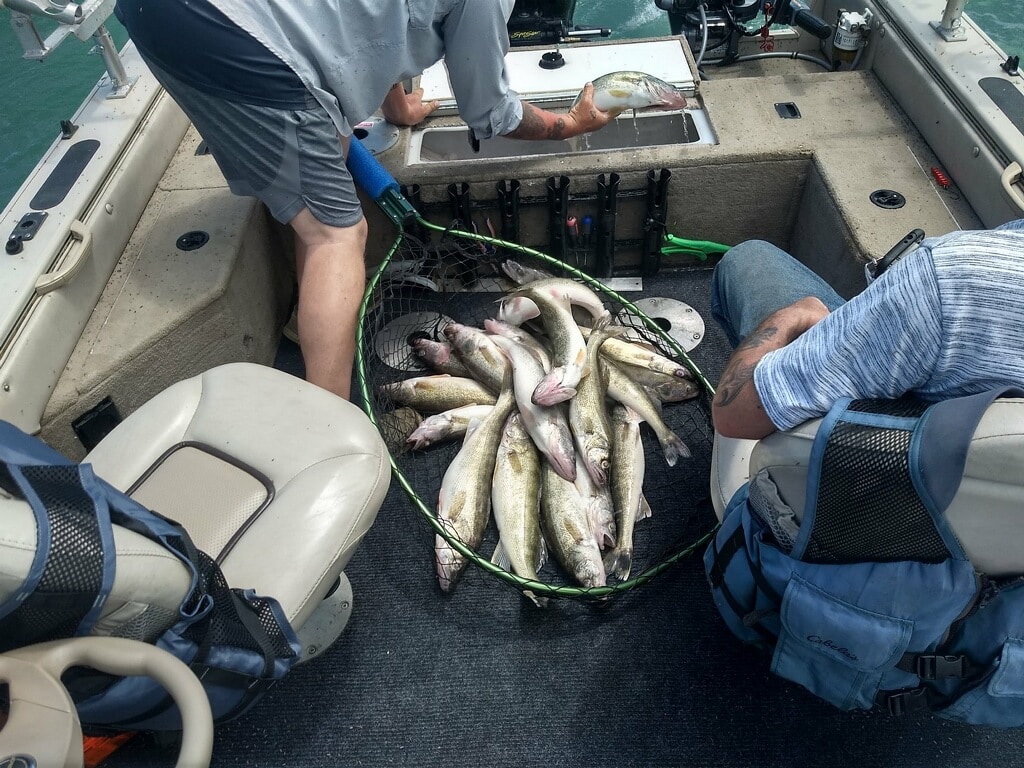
(380, 185)
(1011, 179)
(81, 249)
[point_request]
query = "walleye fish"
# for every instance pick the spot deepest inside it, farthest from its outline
(439, 357)
(616, 92)
(520, 336)
(464, 501)
(515, 499)
(477, 352)
(626, 391)
(520, 274)
(666, 388)
(576, 293)
(627, 477)
(437, 393)
(446, 426)
(548, 426)
(569, 350)
(632, 353)
(600, 507)
(567, 523)
(588, 415)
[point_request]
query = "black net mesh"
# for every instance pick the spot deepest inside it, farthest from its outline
(73, 574)
(451, 278)
(868, 509)
(223, 625)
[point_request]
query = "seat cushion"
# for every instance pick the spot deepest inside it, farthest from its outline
(277, 479)
(149, 582)
(987, 513)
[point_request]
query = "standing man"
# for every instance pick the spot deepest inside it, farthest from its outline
(275, 87)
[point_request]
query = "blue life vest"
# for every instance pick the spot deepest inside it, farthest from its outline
(873, 601)
(237, 643)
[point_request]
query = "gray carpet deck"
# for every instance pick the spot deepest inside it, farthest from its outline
(481, 678)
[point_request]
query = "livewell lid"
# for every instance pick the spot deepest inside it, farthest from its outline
(664, 59)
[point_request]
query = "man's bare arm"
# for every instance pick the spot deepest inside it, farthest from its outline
(737, 410)
(584, 117)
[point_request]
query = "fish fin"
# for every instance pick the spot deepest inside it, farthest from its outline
(619, 562)
(540, 602)
(500, 557)
(674, 449)
(644, 509)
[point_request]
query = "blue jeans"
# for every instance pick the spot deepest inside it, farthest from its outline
(755, 279)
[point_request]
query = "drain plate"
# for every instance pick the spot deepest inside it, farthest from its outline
(678, 319)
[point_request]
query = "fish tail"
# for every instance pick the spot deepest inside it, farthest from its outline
(620, 562)
(674, 448)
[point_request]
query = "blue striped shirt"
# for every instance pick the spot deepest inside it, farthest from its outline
(947, 320)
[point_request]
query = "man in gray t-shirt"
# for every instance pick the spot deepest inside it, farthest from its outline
(271, 86)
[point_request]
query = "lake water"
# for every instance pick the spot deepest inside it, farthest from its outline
(35, 96)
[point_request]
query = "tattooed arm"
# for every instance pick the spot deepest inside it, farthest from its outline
(584, 117)
(737, 410)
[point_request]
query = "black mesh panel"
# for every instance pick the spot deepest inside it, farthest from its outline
(73, 574)
(868, 509)
(223, 626)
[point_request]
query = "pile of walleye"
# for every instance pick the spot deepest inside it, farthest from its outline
(550, 428)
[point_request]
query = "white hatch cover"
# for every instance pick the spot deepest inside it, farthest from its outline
(664, 59)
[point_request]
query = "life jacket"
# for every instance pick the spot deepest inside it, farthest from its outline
(869, 599)
(238, 644)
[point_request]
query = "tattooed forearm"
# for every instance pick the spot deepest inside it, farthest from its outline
(737, 409)
(758, 338)
(535, 126)
(735, 378)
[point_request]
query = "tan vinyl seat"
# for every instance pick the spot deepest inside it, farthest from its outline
(275, 478)
(987, 513)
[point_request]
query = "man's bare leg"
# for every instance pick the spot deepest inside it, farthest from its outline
(332, 277)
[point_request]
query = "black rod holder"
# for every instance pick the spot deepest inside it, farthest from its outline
(654, 223)
(558, 207)
(604, 253)
(462, 213)
(508, 209)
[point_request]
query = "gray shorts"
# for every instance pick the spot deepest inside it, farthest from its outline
(288, 158)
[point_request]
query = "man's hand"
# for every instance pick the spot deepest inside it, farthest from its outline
(401, 108)
(589, 118)
(737, 410)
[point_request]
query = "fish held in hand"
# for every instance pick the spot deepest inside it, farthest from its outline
(616, 92)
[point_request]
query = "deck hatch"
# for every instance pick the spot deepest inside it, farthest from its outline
(65, 175)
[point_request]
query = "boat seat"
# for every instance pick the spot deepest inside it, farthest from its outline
(986, 514)
(275, 478)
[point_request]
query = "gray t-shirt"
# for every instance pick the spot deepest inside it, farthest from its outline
(350, 52)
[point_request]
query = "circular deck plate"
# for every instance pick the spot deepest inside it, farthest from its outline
(678, 319)
(391, 343)
(377, 134)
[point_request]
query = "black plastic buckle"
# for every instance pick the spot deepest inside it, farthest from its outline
(931, 667)
(910, 241)
(915, 700)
